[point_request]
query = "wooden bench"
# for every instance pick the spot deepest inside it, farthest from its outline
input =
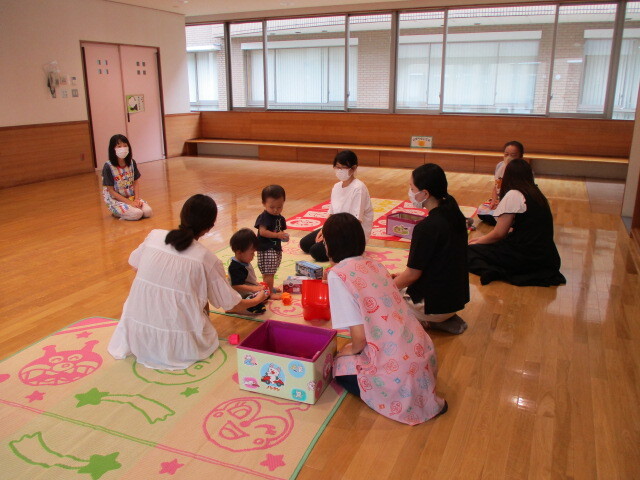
(455, 160)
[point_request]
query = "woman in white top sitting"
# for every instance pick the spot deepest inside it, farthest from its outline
(165, 321)
(349, 195)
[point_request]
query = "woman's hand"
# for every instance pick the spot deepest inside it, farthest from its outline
(319, 237)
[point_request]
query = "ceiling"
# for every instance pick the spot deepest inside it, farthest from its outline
(200, 10)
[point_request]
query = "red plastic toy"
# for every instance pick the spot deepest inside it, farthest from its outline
(315, 300)
(286, 298)
(234, 339)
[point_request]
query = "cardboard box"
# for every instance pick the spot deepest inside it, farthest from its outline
(308, 269)
(287, 360)
(402, 224)
(293, 284)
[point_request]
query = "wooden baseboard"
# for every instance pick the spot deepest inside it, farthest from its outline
(32, 153)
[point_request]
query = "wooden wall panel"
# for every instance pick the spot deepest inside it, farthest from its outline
(569, 136)
(178, 128)
(316, 155)
(486, 163)
(267, 152)
(31, 153)
(368, 158)
(451, 163)
(401, 159)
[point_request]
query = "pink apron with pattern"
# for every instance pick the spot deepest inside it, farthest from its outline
(397, 368)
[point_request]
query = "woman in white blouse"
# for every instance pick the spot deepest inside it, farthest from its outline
(349, 195)
(165, 321)
(520, 249)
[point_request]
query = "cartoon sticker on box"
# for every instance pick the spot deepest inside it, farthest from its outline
(296, 368)
(250, 360)
(272, 375)
(250, 382)
(298, 394)
(61, 367)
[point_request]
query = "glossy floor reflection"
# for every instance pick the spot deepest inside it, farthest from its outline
(544, 383)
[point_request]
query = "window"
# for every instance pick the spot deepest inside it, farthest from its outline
(547, 59)
(582, 56)
(497, 59)
(369, 63)
(206, 67)
(306, 63)
(247, 76)
(628, 80)
(419, 60)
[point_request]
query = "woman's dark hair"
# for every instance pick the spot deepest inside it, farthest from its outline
(273, 191)
(113, 158)
(431, 177)
(198, 215)
(518, 145)
(346, 158)
(519, 176)
(243, 239)
(343, 236)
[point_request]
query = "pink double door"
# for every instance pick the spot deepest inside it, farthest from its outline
(124, 97)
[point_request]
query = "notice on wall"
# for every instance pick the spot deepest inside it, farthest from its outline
(135, 103)
(421, 142)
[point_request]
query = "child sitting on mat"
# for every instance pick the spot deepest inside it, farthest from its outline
(244, 244)
(512, 150)
(271, 226)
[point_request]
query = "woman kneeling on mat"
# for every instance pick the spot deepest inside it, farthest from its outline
(390, 362)
(436, 277)
(520, 249)
(165, 321)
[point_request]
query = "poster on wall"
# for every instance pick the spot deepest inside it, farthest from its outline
(421, 142)
(135, 103)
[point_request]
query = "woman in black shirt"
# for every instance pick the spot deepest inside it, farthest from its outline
(436, 277)
(520, 250)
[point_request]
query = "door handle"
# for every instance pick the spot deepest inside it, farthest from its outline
(128, 117)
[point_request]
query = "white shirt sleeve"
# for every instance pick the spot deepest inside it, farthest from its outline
(136, 255)
(512, 202)
(345, 311)
(219, 292)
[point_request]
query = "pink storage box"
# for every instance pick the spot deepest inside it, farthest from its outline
(287, 360)
(402, 224)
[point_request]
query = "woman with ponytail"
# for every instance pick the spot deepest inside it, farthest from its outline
(520, 249)
(165, 321)
(436, 278)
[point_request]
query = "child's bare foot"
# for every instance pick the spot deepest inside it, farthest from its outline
(275, 296)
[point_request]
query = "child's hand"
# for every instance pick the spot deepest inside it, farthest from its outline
(283, 236)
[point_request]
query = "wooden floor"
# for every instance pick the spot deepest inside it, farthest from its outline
(545, 383)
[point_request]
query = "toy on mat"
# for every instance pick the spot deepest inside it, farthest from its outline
(267, 291)
(308, 269)
(401, 224)
(315, 300)
(293, 284)
(234, 339)
(286, 298)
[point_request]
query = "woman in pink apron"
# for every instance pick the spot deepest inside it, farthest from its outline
(390, 362)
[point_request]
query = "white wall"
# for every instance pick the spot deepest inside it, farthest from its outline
(35, 32)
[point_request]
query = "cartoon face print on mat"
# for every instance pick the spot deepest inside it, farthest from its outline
(59, 368)
(293, 310)
(195, 373)
(250, 423)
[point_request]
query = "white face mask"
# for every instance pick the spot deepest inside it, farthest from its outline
(343, 174)
(122, 152)
(412, 196)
